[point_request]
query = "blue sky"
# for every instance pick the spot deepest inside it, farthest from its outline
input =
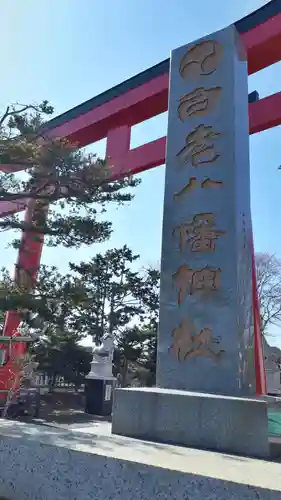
(68, 51)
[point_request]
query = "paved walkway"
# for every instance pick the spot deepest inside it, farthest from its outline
(233, 469)
(66, 411)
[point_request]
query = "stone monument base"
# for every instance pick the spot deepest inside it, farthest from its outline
(99, 395)
(206, 421)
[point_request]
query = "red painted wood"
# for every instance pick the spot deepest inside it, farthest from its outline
(118, 142)
(135, 106)
(258, 347)
(9, 370)
(263, 44)
(28, 258)
(11, 207)
(263, 114)
(137, 160)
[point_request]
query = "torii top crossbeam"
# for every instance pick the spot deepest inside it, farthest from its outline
(112, 114)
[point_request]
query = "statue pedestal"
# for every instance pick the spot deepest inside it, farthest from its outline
(99, 387)
(100, 368)
(98, 396)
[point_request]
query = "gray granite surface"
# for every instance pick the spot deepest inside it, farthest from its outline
(41, 463)
(206, 280)
(205, 421)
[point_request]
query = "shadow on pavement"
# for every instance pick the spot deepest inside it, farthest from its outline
(64, 408)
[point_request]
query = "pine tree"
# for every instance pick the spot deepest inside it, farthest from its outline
(72, 184)
(67, 190)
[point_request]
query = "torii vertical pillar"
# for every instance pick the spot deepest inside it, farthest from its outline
(205, 368)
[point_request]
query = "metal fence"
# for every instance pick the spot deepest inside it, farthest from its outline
(45, 382)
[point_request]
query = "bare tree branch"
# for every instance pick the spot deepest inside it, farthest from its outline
(268, 269)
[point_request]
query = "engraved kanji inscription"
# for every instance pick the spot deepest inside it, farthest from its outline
(199, 102)
(210, 183)
(188, 280)
(199, 147)
(201, 59)
(193, 183)
(200, 235)
(187, 343)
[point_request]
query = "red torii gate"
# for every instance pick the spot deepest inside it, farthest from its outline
(113, 113)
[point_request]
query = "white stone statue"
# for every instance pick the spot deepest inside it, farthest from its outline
(104, 351)
(101, 365)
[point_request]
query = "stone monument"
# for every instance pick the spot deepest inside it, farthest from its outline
(205, 367)
(100, 381)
